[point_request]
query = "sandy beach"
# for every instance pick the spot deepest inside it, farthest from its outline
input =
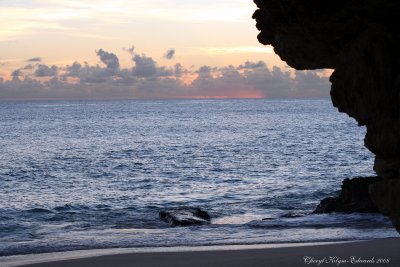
(382, 252)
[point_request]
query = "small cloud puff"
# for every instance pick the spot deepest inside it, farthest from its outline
(130, 50)
(34, 59)
(169, 54)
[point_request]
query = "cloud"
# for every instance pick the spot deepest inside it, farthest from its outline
(130, 50)
(178, 69)
(252, 65)
(16, 74)
(45, 71)
(147, 79)
(109, 59)
(29, 67)
(310, 83)
(144, 66)
(74, 69)
(169, 54)
(34, 59)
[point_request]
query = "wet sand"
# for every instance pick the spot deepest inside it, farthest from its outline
(382, 252)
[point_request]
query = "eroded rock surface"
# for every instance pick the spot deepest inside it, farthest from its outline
(185, 216)
(354, 197)
(360, 40)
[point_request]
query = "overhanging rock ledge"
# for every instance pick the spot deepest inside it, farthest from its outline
(360, 40)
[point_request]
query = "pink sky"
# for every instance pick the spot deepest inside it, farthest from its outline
(41, 40)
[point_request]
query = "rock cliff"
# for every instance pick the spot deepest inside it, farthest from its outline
(360, 40)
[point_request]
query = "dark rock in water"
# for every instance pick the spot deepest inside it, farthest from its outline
(267, 219)
(354, 197)
(185, 216)
(360, 40)
(330, 204)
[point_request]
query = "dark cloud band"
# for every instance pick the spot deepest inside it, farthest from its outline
(146, 79)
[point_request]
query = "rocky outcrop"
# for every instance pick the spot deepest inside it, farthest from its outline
(386, 194)
(359, 39)
(185, 216)
(354, 197)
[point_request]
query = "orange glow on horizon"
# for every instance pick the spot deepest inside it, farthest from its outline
(239, 94)
(223, 97)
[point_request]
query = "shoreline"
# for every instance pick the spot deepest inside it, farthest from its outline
(280, 254)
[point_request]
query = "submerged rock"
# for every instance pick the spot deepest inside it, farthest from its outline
(360, 40)
(185, 216)
(354, 197)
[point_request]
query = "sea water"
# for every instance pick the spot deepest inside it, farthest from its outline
(95, 174)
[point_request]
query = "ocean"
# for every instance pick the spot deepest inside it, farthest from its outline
(95, 174)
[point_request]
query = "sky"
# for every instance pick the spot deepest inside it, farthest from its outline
(66, 49)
